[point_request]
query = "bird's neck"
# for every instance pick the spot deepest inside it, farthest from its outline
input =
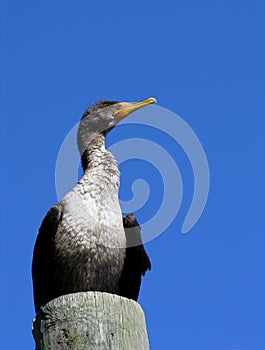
(99, 163)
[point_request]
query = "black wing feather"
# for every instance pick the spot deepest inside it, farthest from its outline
(136, 262)
(43, 264)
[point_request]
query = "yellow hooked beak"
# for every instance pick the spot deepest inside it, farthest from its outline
(127, 108)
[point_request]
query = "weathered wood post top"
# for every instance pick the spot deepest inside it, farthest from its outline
(91, 320)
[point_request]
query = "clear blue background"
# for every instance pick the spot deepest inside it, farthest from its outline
(205, 61)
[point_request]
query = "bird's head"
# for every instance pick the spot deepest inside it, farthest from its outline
(102, 116)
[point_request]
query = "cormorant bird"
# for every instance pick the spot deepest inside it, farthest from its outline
(83, 243)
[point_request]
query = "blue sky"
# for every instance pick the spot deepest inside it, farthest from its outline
(204, 60)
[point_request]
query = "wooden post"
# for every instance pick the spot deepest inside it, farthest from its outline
(91, 320)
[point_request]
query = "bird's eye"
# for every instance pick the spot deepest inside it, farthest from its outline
(118, 106)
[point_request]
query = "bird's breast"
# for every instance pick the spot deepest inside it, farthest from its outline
(90, 243)
(90, 222)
